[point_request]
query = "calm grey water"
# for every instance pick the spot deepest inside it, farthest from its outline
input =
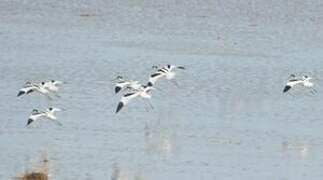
(227, 119)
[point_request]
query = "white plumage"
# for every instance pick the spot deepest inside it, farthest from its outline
(126, 84)
(126, 98)
(33, 87)
(304, 81)
(48, 114)
(166, 71)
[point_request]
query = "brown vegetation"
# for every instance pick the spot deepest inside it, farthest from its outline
(34, 176)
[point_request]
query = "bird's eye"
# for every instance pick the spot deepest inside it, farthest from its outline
(42, 83)
(53, 80)
(50, 109)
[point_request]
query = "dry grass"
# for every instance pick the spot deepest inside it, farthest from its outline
(34, 176)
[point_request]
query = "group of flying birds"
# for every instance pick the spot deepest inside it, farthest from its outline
(47, 89)
(133, 89)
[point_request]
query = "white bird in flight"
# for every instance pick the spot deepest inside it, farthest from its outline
(126, 98)
(166, 71)
(48, 114)
(126, 84)
(33, 87)
(304, 81)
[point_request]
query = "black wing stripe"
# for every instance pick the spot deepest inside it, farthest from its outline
(155, 74)
(128, 94)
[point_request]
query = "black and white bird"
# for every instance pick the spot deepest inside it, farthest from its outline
(166, 71)
(126, 98)
(34, 87)
(126, 84)
(48, 114)
(304, 81)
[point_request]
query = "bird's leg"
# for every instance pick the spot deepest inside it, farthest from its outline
(57, 122)
(159, 89)
(147, 110)
(149, 104)
(175, 83)
(313, 91)
(56, 95)
(48, 96)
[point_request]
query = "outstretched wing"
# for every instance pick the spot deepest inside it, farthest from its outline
(34, 116)
(25, 90)
(290, 84)
(154, 77)
(120, 85)
(286, 88)
(125, 100)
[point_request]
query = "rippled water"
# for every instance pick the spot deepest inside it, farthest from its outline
(227, 119)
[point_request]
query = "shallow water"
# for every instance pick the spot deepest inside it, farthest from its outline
(227, 120)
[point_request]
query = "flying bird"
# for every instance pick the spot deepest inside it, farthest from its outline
(126, 84)
(48, 114)
(33, 87)
(166, 71)
(126, 98)
(304, 81)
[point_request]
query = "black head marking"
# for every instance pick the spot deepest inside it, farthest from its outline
(50, 108)
(42, 83)
(119, 77)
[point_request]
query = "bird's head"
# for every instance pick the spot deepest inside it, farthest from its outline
(53, 109)
(119, 78)
(305, 77)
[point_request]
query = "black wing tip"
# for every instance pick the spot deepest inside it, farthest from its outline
(286, 88)
(120, 105)
(20, 93)
(117, 89)
(29, 121)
